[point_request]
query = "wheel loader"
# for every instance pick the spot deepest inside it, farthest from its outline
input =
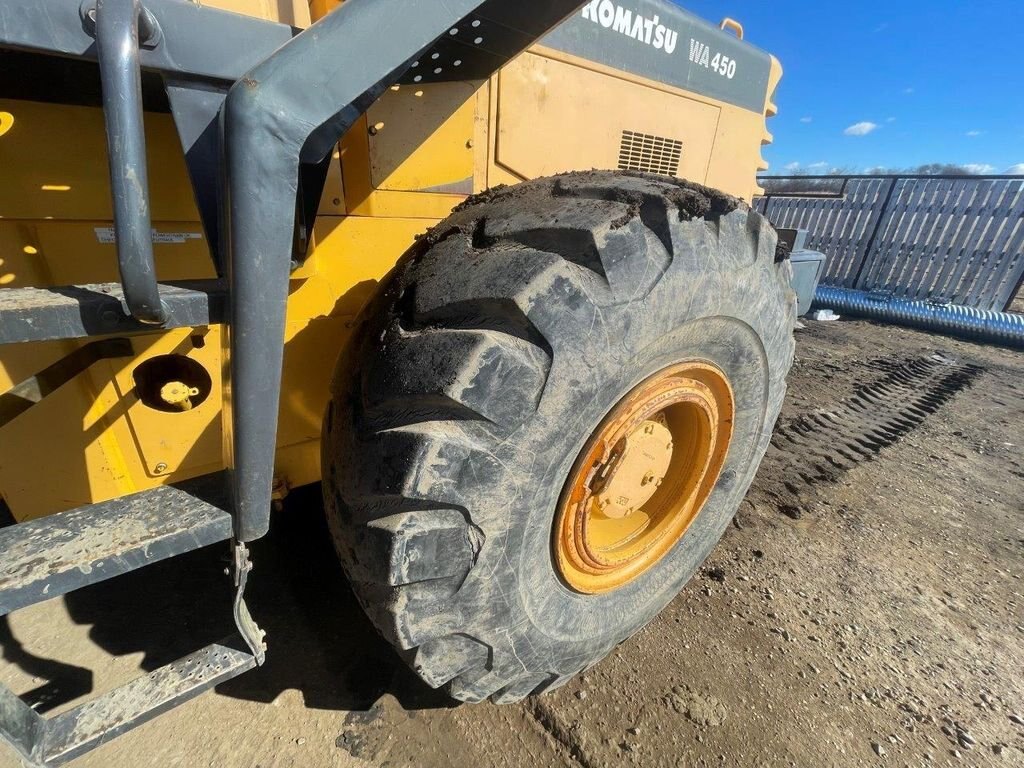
(486, 270)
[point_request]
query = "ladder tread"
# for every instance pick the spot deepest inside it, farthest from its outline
(54, 555)
(84, 727)
(79, 311)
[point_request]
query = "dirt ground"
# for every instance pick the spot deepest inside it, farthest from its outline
(865, 608)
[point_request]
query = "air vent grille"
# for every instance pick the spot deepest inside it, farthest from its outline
(644, 152)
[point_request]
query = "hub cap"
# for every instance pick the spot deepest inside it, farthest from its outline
(643, 477)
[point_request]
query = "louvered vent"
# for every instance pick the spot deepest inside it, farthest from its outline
(644, 152)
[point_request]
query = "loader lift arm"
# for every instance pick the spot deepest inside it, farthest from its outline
(258, 109)
(290, 111)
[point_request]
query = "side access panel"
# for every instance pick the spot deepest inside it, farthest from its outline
(635, 84)
(585, 114)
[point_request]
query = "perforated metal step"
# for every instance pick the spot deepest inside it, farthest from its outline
(54, 555)
(52, 741)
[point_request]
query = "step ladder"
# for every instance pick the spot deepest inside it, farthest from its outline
(49, 557)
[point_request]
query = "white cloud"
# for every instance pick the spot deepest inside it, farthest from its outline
(890, 119)
(979, 168)
(806, 119)
(974, 133)
(797, 167)
(862, 128)
(908, 90)
(1017, 168)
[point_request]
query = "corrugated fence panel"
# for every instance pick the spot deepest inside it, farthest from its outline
(957, 239)
(1002, 251)
(839, 226)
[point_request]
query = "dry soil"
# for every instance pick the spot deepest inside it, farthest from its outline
(864, 609)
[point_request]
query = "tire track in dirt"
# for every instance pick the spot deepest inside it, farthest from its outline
(547, 718)
(816, 447)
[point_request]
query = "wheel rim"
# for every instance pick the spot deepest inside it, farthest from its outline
(643, 477)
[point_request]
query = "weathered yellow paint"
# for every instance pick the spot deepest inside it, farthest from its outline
(532, 140)
(362, 198)
(770, 110)
(556, 112)
(405, 117)
(94, 439)
(294, 12)
(31, 157)
(124, 446)
(616, 518)
(320, 8)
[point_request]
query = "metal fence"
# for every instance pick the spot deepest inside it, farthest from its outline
(957, 239)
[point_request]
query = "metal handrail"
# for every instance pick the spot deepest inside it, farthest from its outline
(118, 25)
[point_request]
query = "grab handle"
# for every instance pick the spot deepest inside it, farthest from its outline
(732, 24)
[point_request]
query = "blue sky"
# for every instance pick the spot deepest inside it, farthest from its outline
(929, 82)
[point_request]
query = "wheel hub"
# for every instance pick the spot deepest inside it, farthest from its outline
(643, 477)
(634, 471)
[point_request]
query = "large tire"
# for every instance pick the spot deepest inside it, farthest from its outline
(492, 352)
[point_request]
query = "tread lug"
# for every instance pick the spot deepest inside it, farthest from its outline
(440, 660)
(426, 371)
(422, 545)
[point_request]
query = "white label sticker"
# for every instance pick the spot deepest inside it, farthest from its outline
(106, 235)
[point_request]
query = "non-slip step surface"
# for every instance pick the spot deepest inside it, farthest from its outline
(77, 311)
(86, 726)
(51, 556)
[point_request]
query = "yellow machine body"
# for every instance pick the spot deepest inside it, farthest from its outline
(417, 153)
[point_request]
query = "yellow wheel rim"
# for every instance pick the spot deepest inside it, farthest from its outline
(643, 477)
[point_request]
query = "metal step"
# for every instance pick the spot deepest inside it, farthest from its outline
(77, 311)
(52, 741)
(54, 555)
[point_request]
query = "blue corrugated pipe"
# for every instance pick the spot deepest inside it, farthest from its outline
(978, 324)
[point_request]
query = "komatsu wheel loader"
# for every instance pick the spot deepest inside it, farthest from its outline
(484, 269)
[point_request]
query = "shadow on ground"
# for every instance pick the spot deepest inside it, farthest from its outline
(320, 642)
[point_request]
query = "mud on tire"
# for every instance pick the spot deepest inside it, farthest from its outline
(493, 350)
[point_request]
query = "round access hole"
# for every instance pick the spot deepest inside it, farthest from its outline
(171, 383)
